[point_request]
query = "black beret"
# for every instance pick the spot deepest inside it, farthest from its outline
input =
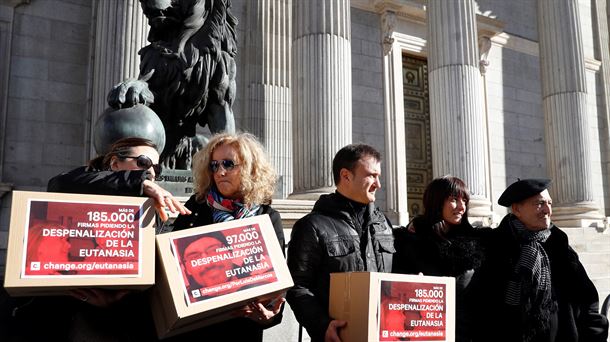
(522, 189)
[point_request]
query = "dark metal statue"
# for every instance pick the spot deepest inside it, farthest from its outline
(187, 73)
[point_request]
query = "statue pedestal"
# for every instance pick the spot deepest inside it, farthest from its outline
(5, 188)
(178, 182)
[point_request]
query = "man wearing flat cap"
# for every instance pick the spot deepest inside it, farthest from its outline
(532, 287)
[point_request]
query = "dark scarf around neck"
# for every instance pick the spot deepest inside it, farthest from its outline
(529, 288)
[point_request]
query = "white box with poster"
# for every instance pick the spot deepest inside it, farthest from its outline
(206, 273)
(58, 242)
(393, 307)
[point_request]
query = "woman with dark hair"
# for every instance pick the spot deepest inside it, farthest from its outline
(129, 169)
(233, 179)
(442, 242)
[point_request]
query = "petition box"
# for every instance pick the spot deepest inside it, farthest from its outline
(393, 307)
(58, 242)
(206, 273)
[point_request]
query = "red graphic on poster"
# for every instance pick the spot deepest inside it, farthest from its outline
(412, 312)
(81, 239)
(222, 262)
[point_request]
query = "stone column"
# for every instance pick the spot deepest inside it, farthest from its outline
(564, 99)
(456, 105)
(322, 92)
(269, 108)
(601, 10)
(394, 161)
(120, 32)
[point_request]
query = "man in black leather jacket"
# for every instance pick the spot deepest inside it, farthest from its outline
(345, 232)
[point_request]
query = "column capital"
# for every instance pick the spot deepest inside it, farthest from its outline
(388, 25)
(484, 47)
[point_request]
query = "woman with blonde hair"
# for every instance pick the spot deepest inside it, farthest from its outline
(233, 179)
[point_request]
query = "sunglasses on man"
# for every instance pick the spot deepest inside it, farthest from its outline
(144, 162)
(226, 164)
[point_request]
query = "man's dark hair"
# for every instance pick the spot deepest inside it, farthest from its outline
(348, 156)
(184, 242)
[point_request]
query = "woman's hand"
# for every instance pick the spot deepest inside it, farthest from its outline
(261, 314)
(98, 297)
(163, 199)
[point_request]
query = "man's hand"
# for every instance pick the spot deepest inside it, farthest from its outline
(163, 199)
(98, 297)
(332, 332)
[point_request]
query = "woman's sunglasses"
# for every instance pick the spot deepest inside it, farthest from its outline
(144, 162)
(226, 164)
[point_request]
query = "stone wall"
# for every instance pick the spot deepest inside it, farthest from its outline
(519, 16)
(367, 86)
(516, 121)
(47, 96)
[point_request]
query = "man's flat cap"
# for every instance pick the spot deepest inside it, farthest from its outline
(522, 189)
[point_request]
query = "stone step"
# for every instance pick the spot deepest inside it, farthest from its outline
(601, 245)
(292, 210)
(597, 269)
(602, 284)
(595, 257)
(590, 246)
(586, 234)
(602, 297)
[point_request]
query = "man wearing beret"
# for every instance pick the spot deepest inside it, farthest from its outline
(532, 287)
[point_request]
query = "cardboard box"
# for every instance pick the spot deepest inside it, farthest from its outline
(58, 242)
(206, 273)
(393, 307)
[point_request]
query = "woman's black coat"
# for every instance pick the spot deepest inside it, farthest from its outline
(237, 329)
(458, 254)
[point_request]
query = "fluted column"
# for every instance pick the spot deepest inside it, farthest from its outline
(395, 159)
(120, 32)
(456, 106)
(603, 41)
(322, 92)
(270, 107)
(564, 99)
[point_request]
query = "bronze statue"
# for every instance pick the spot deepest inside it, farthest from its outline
(187, 73)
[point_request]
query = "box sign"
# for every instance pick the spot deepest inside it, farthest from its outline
(208, 272)
(393, 307)
(59, 242)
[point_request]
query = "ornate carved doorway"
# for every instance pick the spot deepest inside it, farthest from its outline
(417, 131)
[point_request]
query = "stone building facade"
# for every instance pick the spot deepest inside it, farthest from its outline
(487, 90)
